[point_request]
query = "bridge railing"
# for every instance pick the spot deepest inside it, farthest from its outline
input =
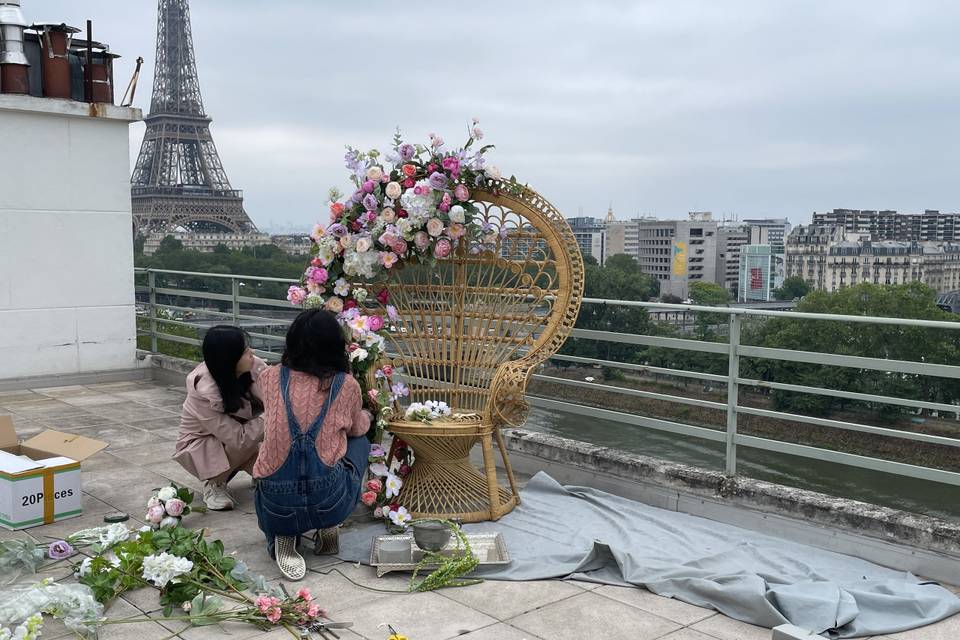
(175, 306)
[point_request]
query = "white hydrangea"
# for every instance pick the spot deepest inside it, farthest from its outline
(360, 294)
(167, 493)
(313, 301)
(163, 568)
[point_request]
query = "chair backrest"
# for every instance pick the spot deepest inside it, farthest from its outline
(516, 296)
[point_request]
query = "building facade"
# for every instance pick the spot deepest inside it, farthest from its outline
(591, 235)
(730, 240)
(207, 242)
(761, 272)
(831, 258)
(771, 231)
(929, 226)
(679, 252)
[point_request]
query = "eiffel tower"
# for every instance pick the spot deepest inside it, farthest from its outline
(179, 183)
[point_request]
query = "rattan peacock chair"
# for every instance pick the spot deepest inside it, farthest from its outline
(471, 330)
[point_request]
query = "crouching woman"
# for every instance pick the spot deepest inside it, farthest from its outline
(314, 453)
(221, 425)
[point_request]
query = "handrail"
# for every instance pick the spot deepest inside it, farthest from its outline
(230, 306)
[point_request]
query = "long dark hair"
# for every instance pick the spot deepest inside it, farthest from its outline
(223, 346)
(315, 345)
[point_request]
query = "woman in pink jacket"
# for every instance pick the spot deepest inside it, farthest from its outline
(221, 426)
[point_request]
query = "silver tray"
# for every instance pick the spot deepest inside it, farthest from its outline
(489, 548)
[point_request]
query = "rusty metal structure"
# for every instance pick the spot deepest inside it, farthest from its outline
(179, 182)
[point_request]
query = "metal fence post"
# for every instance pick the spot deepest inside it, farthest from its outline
(152, 286)
(733, 395)
(236, 301)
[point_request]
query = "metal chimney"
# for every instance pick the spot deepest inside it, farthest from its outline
(55, 61)
(13, 61)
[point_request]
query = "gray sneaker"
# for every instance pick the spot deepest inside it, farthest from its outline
(215, 496)
(291, 563)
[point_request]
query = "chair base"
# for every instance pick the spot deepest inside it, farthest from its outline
(444, 483)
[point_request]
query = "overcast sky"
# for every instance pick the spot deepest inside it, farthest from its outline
(741, 108)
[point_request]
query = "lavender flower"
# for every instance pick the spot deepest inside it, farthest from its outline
(60, 550)
(406, 152)
(400, 389)
(437, 180)
(370, 202)
(337, 230)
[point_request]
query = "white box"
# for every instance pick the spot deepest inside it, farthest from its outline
(40, 478)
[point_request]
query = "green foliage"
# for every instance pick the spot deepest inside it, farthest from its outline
(793, 288)
(708, 294)
(893, 342)
(450, 566)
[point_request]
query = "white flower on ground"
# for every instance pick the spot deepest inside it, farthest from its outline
(393, 485)
(167, 493)
(400, 517)
(161, 569)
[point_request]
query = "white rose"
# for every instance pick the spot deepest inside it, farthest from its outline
(457, 214)
(493, 173)
(393, 190)
(167, 493)
(346, 242)
(435, 227)
(374, 173)
(363, 245)
(388, 215)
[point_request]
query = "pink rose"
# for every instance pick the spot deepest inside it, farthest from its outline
(368, 498)
(378, 512)
(387, 370)
(461, 192)
(368, 186)
(435, 227)
(388, 215)
(274, 614)
(371, 216)
(317, 274)
(152, 502)
(409, 182)
(372, 394)
(175, 507)
(313, 611)
(393, 190)
(155, 514)
(399, 246)
(304, 593)
(334, 304)
(451, 164)
(374, 485)
(296, 295)
(421, 239)
(442, 248)
(456, 231)
(374, 323)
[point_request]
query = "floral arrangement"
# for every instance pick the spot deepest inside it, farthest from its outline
(382, 490)
(168, 505)
(412, 204)
(20, 554)
(29, 629)
(427, 411)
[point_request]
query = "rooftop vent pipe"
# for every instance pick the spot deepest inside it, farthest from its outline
(13, 61)
(55, 60)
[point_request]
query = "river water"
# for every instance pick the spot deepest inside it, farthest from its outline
(918, 496)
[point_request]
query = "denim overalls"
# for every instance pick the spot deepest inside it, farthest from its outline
(305, 493)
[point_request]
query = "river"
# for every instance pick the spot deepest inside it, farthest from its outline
(918, 496)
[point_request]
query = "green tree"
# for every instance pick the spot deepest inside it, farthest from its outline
(708, 294)
(169, 245)
(793, 288)
(138, 241)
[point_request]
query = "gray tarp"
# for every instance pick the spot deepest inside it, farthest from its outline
(585, 534)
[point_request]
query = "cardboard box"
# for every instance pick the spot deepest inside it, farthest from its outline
(40, 478)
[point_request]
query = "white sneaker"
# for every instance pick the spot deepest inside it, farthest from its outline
(291, 563)
(215, 496)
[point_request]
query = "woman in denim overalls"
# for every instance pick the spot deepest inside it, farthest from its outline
(318, 483)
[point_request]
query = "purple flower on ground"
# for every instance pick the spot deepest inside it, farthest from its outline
(370, 202)
(406, 152)
(60, 550)
(437, 180)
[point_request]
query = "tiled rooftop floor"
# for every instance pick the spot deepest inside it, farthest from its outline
(140, 420)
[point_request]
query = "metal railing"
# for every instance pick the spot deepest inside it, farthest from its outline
(238, 308)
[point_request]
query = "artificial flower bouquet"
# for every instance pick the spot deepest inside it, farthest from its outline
(382, 490)
(168, 505)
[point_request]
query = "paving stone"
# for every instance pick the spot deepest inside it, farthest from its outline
(171, 422)
(119, 610)
(500, 631)
(669, 608)
(506, 599)
(948, 629)
(43, 410)
(18, 396)
(690, 634)
(589, 615)
(724, 628)
(416, 615)
(73, 391)
(121, 436)
(93, 400)
(130, 411)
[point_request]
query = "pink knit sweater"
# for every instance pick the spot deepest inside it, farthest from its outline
(346, 417)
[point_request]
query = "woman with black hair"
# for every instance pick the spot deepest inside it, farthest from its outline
(314, 453)
(221, 425)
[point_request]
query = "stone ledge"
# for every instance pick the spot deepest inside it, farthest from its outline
(858, 518)
(68, 108)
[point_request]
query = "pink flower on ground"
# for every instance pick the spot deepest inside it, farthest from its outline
(175, 507)
(442, 249)
(304, 593)
(296, 295)
(313, 611)
(155, 514)
(368, 498)
(374, 485)
(274, 614)
(461, 192)
(374, 323)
